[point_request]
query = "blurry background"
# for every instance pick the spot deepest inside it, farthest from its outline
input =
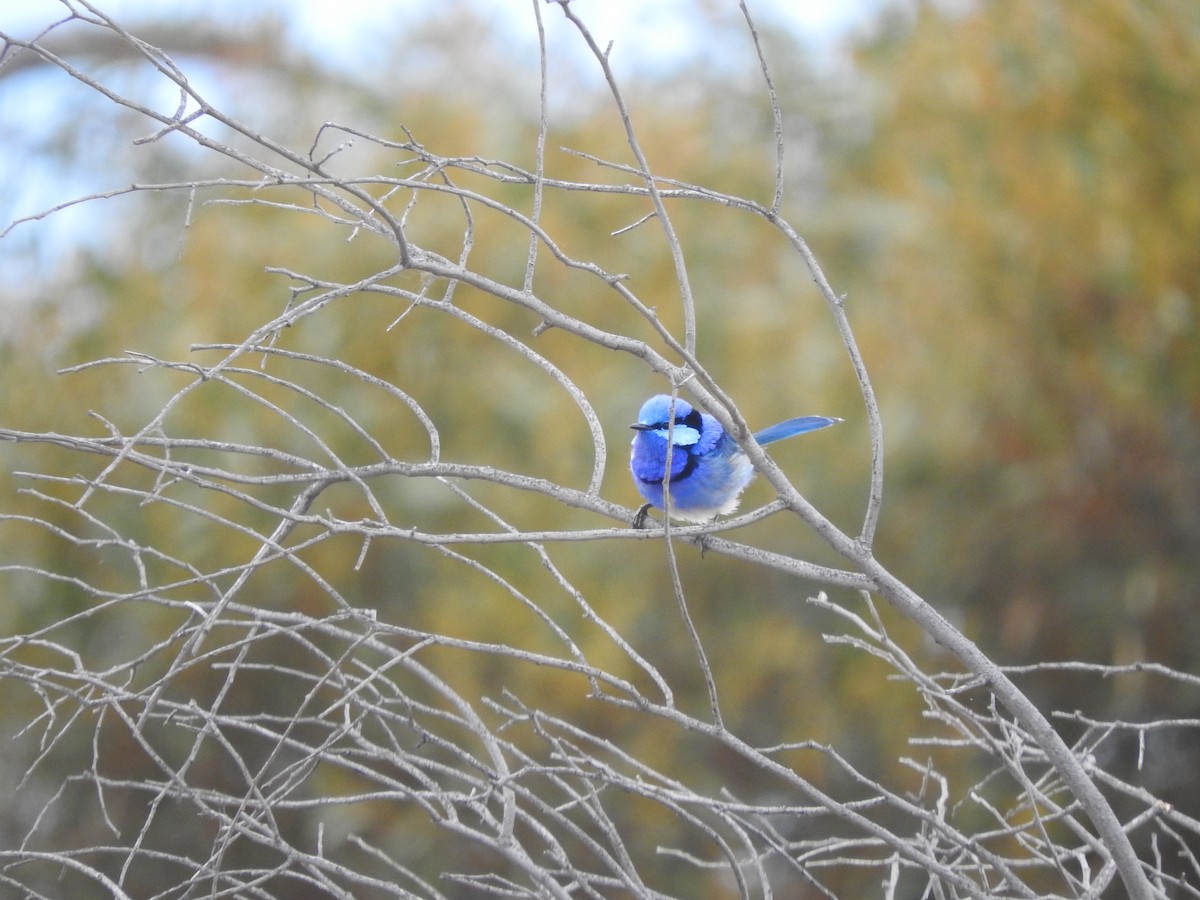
(1006, 192)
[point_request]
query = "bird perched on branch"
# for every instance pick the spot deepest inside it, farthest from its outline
(709, 471)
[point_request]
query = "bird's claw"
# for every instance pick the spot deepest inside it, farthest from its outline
(639, 518)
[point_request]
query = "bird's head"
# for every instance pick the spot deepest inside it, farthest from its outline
(655, 418)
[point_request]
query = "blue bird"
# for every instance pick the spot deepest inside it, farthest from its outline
(708, 469)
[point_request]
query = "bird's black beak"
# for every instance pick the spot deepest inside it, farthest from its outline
(638, 426)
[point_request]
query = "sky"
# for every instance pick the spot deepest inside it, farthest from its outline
(340, 25)
(345, 31)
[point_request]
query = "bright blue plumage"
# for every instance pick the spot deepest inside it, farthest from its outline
(708, 469)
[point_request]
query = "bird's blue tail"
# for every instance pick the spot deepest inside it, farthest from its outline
(793, 426)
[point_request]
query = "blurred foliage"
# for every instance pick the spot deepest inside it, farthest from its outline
(1033, 266)
(1027, 283)
(1009, 197)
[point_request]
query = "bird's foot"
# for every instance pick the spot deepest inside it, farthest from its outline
(639, 518)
